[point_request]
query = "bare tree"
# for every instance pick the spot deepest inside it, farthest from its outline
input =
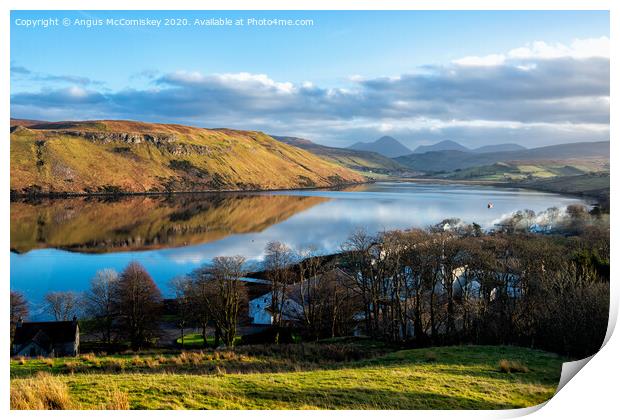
(199, 292)
(99, 302)
(19, 310)
(227, 295)
(309, 292)
(361, 252)
(182, 288)
(138, 302)
(63, 306)
(278, 260)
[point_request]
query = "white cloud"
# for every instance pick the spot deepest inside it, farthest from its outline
(487, 60)
(578, 49)
(77, 92)
(237, 81)
(532, 94)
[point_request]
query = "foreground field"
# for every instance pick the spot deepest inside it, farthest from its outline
(464, 377)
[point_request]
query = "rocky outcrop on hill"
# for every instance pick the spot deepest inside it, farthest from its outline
(168, 142)
(157, 139)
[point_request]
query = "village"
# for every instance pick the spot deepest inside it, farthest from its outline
(414, 288)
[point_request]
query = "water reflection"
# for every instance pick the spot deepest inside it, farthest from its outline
(172, 236)
(97, 225)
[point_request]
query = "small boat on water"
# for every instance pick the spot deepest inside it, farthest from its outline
(489, 205)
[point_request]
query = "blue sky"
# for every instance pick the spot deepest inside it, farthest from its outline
(351, 76)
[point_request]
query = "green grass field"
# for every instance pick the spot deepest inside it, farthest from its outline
(460, 377)
(196, 340)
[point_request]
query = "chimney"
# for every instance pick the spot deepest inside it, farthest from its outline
(20, 322)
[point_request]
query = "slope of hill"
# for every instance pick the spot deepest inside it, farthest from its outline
(386, 146)
(125, 156)
(452, 145)
(357, 160)
(450, 160)
(504, 147)
(531, 169)
(593, 185)
(441, 146)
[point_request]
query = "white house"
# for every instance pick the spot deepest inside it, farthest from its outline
(260, 310)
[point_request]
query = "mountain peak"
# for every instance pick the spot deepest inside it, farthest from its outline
(387, 146)
(441, 146)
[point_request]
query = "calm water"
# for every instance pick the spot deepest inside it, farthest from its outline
(60, 244)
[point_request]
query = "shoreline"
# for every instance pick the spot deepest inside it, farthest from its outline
(596, 199)
(163, 193)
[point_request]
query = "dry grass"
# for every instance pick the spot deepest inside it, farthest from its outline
(41, 392)
(70, 366)
(113, 365)
(512, 366)
(137, 361)
(88, 357)
(46, 361)
(189, 358)
(152, 363)
(117, 400)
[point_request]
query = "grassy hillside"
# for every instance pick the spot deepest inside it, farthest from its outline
(524, 170)
(451, 160)
(464, 377)
(592, 185)
(126, 156)
(146, 222)
(366, 163)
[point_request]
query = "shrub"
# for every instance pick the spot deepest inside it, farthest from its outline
(113, 365)
(88, 357)
(512, 366)
(48, 362)
(70, 366)
(152, 363)
(41, 392)
(136, 361)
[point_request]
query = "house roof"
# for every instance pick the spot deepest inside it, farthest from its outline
(256, 290)
(293, 290)
(44, 333)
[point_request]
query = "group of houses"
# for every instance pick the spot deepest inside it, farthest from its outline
(62, 338)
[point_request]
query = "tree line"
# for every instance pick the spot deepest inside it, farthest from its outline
(448, 284)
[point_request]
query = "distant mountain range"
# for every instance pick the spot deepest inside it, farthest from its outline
(386, 145)
(392, 148)
(357, 160)
(450, 160)
(452, 145)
